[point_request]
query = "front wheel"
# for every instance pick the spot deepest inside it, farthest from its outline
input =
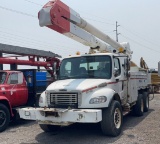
(112, 119)
(4, 117)
(49, 128)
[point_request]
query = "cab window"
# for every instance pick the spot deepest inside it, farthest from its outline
(117, 66)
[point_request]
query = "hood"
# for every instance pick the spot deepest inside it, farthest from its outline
(75, 84)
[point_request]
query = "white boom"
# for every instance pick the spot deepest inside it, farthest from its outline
(61, 18)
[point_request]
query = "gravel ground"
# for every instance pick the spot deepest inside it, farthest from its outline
(136, 130)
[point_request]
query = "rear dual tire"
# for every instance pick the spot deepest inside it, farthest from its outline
(138, 108)
(142, 104)
(146, 101)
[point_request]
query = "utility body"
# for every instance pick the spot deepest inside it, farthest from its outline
(100, 86)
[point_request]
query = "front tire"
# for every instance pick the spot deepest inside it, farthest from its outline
(112, 119)
(49, 128)
(4, 117)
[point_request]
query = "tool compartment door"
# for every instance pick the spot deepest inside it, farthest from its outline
(133, 91)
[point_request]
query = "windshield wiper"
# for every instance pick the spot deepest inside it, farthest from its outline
(93, 76)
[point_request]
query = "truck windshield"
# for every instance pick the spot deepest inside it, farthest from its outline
(2, 77)
(98, 67)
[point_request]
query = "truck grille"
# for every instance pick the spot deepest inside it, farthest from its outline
(63, 100)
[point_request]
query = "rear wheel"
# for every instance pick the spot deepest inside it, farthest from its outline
(49, 128)
(139, 106)
(112, 119)
(146, 101)
(4, 117)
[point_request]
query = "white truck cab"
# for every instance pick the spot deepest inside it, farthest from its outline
(95, 77)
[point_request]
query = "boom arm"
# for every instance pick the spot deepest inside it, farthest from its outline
(61, 18)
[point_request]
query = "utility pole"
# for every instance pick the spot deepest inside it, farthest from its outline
(117, 31)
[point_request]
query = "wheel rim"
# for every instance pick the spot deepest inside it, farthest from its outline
(2, 118)
(142, 105)
(117, 118)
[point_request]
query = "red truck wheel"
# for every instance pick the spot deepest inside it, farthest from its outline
(4, 117)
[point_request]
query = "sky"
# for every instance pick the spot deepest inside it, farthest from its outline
(139, 22)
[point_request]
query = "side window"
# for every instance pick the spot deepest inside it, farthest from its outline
(20, 78)
(117, 66)
(13, 79)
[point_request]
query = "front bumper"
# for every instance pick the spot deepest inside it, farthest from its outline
(61, 116)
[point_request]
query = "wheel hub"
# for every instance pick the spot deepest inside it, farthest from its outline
(117, 118)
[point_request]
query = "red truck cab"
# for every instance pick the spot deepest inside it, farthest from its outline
(13, 94)
(19, 89)
(13, 86)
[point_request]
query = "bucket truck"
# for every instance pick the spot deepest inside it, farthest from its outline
(21, 88)
(100, 86)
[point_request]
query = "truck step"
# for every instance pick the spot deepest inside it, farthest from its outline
(126, 109)
(125, 113)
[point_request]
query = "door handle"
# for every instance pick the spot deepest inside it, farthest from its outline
(117, 80)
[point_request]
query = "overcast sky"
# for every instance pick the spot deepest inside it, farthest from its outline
(139, 22)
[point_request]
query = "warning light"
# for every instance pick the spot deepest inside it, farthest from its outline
(78, 53)
(121, 49)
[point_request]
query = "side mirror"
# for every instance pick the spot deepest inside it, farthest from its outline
(116, 72)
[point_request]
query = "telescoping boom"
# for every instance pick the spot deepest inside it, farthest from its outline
(61, 18)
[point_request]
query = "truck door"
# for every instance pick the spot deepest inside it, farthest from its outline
(120, 78)
(18, 89)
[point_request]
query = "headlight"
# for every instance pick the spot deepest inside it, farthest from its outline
(97, 100)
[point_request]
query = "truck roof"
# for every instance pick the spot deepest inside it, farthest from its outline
(96, 54)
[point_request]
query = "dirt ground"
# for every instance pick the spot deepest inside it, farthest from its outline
(136, 130)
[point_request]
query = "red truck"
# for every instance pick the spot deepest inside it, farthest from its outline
(21, 88)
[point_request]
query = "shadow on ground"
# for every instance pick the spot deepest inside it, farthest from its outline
(18, 123)
(87, 133)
